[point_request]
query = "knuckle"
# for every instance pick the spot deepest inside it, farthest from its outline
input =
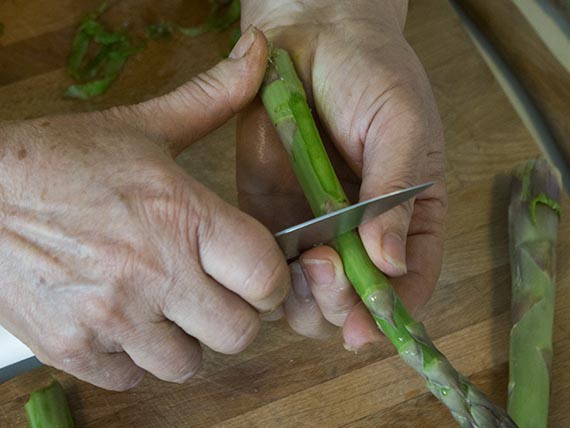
(312, 327)
(441, 199)
(406, 209)
(400, 178)
(432, 212)
(129, 266)
(152, 176)
(243, 333)
(66, 352)
(207, 230)
(185, 368)
(337, 319)
(127, 382)
(117, 114)
(401, 183)
(158, 175)
(340, 309)
(115, 372)
(207, 88)
(105, 312)
(439, 207)
(163, 197)
(269, 275)
(336, 305)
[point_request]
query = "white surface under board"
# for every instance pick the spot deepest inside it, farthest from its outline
(11, 349)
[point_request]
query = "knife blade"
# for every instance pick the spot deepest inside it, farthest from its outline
(296, 239)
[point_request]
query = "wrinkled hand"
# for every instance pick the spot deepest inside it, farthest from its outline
(113, 261)
(375, 104)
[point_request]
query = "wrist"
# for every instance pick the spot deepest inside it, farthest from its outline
(269, 14)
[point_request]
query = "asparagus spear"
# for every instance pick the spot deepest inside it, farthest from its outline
(47, 408)
(533, 224)
(285, 101)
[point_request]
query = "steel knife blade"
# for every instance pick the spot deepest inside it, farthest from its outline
(296, 239)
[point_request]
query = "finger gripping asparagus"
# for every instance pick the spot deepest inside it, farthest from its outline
(533, 224)
(285, 101)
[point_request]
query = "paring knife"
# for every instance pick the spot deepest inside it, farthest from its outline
(296, 239)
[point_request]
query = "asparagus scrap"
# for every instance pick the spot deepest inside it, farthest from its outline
(223, 14)
(95, 74)
(47, 408)
(533, 223)
(285, 101)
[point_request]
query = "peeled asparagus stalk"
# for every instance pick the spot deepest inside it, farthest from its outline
(285, 101)
(533, 225)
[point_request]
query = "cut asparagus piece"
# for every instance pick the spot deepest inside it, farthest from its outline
(95, 73)
(533, 224)
(285, 101)
(47, 408)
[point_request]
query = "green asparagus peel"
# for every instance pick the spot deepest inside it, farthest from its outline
(223, 14)
(47, 408)
(541, 198)
(533, 223)
(95, 74)
(285, 101)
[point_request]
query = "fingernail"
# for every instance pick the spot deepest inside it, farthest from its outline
(244, 43)
(187, 377)
(299, 283)
(350, 348)
(321, 272)
(273, 315)
(394, 251)
(356, 349)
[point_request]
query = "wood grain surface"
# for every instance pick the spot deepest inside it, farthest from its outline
(283, 379)
(537, 68)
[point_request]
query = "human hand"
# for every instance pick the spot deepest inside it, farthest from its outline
(374, 102)
(113, 261)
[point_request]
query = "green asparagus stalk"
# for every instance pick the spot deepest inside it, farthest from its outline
(47, 408)
(285, 101)
(533, 223)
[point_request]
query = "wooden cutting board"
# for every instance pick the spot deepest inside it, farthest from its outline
(538, 70)
(283, 379)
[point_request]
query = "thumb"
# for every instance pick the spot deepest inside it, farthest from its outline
(208, 100)
(385, 236)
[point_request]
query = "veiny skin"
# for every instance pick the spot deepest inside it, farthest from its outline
(375, 104)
